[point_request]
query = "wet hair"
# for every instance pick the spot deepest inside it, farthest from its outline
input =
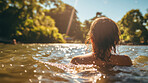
(104, 35)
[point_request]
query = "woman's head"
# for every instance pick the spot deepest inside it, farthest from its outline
(104, 35)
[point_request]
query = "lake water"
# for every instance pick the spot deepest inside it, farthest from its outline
(48, 63)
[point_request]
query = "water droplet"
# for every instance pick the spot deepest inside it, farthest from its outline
(38, 47)
(67, 54)
(10, 64)
(30, 80)
(43, 71)
(40, 77)
(34, 71)
(133, 49)
(22, 65)
(39, 81)
(3, 65)
(99, 75)
(25, 70)
(76, 50)
(93, 61)
(48, 51)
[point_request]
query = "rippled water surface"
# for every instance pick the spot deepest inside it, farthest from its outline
(48, 63)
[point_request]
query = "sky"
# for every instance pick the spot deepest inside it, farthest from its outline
(114, 9)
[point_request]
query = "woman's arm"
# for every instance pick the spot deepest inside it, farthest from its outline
(74, 60)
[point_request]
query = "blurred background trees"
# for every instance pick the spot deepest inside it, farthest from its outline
(26, 21)
(133, 27)
(44, 21)
(62, 15)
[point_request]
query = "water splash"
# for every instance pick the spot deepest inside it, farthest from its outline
(88, 73)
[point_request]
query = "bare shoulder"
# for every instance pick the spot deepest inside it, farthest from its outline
(121, 56)
(121, 60)
(81, 58)
(75, 59)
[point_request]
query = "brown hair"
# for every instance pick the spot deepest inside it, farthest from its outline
(104, 35)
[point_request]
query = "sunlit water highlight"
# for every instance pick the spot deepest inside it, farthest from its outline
(48, 63)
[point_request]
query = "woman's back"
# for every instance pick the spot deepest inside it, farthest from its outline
(120, 60)
(104, 36)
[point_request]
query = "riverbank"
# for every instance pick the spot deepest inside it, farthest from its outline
(8, 41)
(132, 43)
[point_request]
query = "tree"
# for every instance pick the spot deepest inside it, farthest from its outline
(62, 16)
(40, 30)
(18, 18)
(132, 28)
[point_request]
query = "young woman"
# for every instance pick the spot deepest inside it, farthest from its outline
(104, 35)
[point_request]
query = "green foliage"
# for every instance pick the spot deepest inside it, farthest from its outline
(25, 21)
(85, 29)
(40, 30)
(28, 21)
(40, 35)
(132, 28)
(62, 15)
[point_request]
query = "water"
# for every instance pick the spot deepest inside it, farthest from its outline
(48, 63)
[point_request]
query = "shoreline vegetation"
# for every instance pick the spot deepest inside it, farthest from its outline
(5, 41)
(30, 22)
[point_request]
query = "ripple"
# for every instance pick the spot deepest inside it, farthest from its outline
(21, 63)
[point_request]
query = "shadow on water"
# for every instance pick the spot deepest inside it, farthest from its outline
(47, 63)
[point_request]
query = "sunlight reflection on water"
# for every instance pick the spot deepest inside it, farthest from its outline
(50, 63)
